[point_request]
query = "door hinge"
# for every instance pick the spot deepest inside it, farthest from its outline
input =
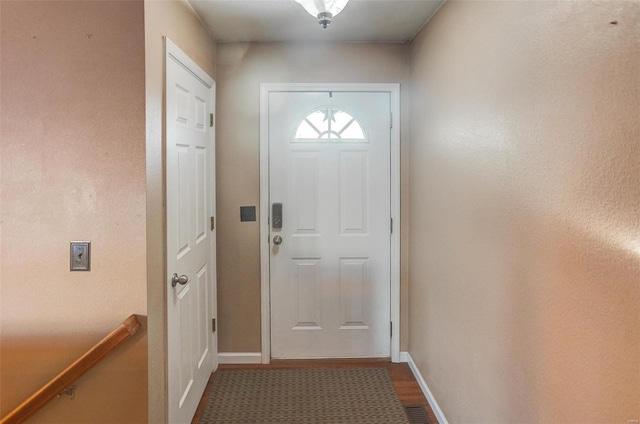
(211, 119)
(390, 119)
(213, 325)
(213, 223)
(390, 328)
(391, 225)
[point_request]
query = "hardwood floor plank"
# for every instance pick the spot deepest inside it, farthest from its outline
(404, 382)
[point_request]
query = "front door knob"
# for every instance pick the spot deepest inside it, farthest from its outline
(277, 240)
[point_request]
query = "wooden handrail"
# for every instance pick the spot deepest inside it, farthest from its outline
(74, 371)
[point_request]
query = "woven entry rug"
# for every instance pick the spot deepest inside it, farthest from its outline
(303, 396)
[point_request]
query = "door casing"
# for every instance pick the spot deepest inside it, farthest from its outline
(394, 92)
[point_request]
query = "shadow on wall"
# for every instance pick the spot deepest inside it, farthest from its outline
(114, 390)
(577, 305)
(525, 180)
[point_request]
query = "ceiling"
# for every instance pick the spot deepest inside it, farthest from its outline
(285, 20)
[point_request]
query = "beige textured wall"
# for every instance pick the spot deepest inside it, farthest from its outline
(525, 211)
(241, 68)
(176, 20)
(73, 168)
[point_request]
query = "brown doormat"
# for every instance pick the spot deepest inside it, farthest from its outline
(301, 396)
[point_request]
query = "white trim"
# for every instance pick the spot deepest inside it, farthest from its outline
(394, 93)
(214, 232)
(404, 357)
(239, 357)
(174, 52)
(427, 392)
(265, 316)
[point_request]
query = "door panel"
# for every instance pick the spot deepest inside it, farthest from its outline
(191, 346)
(354, 292)
(306, 199)
(307, 284)
(330, 277)
(354, 199)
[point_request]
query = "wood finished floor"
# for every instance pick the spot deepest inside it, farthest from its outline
(402, 378)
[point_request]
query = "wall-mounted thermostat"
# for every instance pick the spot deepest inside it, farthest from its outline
(80, 256)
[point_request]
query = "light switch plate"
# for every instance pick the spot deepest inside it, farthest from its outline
(80, 256)
(247, 213)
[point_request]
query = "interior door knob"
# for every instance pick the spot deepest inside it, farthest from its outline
(182, 280)
(277, 240)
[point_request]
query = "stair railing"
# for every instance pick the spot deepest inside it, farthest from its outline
(61, 383)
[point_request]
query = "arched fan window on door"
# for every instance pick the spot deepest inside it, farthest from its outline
(330, 124)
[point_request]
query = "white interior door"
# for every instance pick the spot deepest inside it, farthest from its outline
(192, 349)
(329, 167)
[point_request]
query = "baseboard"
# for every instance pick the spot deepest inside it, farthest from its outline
(404, 357)
(425, 389)
(239, 358)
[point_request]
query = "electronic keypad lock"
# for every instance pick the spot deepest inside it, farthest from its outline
(276, 216)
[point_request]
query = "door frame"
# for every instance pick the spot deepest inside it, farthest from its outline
(265, 302)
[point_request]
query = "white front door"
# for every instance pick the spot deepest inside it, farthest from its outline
(192, 349)
(329, 169)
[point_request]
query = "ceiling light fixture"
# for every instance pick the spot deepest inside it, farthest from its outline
(324, 10)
